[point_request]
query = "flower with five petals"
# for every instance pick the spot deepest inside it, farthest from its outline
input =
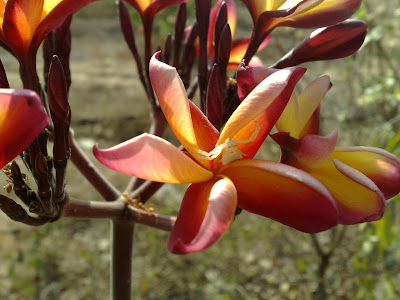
(220, 166)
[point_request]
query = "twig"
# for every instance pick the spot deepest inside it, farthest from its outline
(116, 210)
(91, 173)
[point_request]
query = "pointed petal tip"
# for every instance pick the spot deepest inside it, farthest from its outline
(152, 158)
(207, 210)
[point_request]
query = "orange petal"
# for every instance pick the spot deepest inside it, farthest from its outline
(262, 107)
(187, 122)
(152, 158)
(139, 5)
(358, 199)
(279, 86)
(378, 165)
(2, 6)
(55, 13)
(151, 7)
(22, 117)
(282, 193)
(171, 95)
(21, 18)
(206, 212)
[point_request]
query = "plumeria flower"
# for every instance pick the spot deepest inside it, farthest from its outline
(269, 14)
(24, 23)
(359, 178)
(239, 46)
(22, 117)
(220, 166)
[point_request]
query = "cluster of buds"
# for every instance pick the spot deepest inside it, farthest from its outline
(314, 186)
(33, 117)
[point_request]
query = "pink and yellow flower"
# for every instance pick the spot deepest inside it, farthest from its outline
(22, 117)
(359, 178)
(220, 166)
(24, 23)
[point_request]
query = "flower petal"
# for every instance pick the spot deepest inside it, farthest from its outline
(358, 199)
(152, 158)
(277, 87)
(54, 16)
(2, 6)
(282, 193)
(307, 152)
(378, 165)
(187, 122)
(151, 7)
(22, 117)
(21, 18)
(299, 111)
(249, 77)
(326, 13)
(206, 212)
(338, 41)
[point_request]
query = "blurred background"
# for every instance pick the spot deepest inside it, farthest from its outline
(256, 258)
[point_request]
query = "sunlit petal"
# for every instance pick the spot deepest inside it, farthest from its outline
(22, 117)
(358, 199)
(326, 13)
(171, 95)
(139, 5)
(289, 121)
(148, 8)
(299, 111)
(379, 165)
(278, 86)
(54, 14)
(2, 6)
(282, 193)
(307, 152)
(153, 158)
(21, 18)
(206, 212)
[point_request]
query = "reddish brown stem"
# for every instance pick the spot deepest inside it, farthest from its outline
(91, 173)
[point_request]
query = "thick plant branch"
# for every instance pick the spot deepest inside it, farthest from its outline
(121, 252)
(116, 210)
